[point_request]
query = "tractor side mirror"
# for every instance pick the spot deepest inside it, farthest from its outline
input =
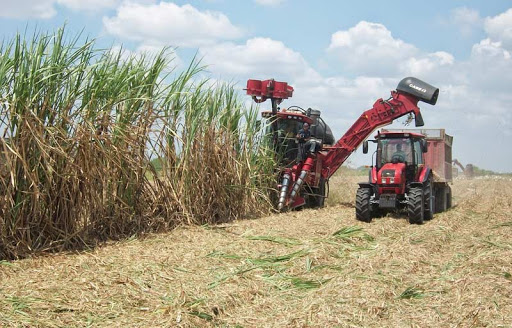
(424, 145)
(365, 147)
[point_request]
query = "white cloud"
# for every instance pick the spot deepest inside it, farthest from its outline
(487, 49)
(426, 64)
(148, 52)
(170, 24)
(89, 5)
(370, 49)
(466, 19)
(499, 28)
(45, 9)
(97, 5)
(258, 56)
(490, 68)
(27, 9)
(271, 3)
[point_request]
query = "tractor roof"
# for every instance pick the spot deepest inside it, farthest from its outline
(398, 134)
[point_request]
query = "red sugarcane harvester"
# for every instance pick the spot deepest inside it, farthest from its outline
(303, 181)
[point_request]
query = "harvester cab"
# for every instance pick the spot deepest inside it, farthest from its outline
(304, 182)
(285, 123)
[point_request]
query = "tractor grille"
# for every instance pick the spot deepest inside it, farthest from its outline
(388, 173)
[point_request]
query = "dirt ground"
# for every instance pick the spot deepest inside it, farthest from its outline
(313, 268)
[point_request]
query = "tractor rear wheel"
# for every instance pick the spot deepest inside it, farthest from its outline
(448, 197)
(363, 206)
(429, 200)
(416, 206)
(441, 193)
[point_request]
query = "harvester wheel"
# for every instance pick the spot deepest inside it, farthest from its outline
(363, 206)
(316, 196)
(429, 201)
(416, 206)
(320, 198)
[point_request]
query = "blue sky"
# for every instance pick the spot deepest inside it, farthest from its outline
(339, 55)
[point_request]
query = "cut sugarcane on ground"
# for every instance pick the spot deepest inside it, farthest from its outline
(310, 268)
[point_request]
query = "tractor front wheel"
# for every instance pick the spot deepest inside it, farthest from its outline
(363, 206)
(416, 206)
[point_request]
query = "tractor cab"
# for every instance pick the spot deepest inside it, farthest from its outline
(402, 152)
(399, 159)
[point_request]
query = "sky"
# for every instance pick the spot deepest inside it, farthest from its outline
(340, 56)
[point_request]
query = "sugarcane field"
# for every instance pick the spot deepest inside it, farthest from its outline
(453, 271)
(195, 164)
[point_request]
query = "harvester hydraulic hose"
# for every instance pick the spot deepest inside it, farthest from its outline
(308, 164)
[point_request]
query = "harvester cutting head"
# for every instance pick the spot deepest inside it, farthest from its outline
(268, 89)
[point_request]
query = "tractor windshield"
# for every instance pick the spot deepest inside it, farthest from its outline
(394, 150)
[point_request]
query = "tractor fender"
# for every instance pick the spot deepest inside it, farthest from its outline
(365, 185)
(424, 175)
(415, 185)
(371, 186)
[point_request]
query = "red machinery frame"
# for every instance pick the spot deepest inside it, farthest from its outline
(325, 163)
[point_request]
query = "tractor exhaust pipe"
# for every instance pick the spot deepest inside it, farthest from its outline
(284, 191)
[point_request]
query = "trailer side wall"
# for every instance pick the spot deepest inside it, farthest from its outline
(439, 155)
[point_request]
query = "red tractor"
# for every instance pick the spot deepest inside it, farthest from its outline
(398, 180)
(412, 172)
(304, 181)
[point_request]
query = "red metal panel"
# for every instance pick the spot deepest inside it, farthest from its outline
(434, 158)
(439, 157)
(269, 89)
(382, 113)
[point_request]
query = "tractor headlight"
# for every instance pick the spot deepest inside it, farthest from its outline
(391, 180)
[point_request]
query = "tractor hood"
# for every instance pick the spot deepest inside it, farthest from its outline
(391, 174)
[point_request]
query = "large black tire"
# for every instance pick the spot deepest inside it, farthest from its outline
(429, 197)
(320, 198)
(448, 197)
(316, 198)
(416, 206)
(363, 206)
(440, 202)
